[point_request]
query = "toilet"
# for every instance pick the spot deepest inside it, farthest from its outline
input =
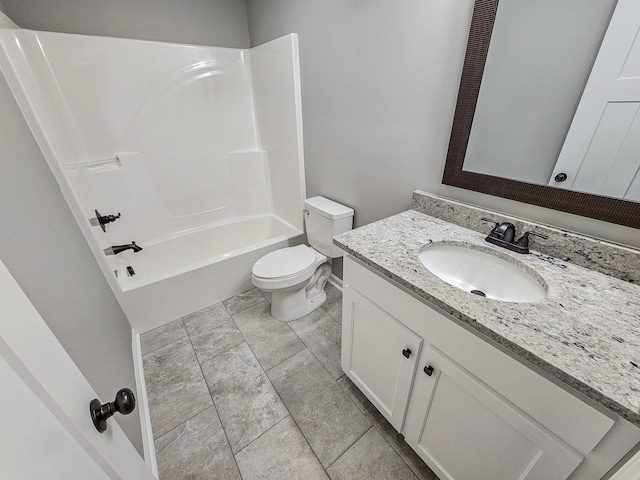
(296, 275)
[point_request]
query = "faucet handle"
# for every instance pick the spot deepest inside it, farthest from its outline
(524, 240)
(104, 219)
(490, 220)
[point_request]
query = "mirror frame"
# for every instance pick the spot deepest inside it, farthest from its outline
(612, 210)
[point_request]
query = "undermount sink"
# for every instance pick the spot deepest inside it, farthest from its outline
(483, 273)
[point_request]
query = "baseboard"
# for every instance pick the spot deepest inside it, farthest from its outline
(143, 405)
(335, 281)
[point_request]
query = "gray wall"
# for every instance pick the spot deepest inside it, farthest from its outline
(379, 83)
(221, 23)
(44, 249)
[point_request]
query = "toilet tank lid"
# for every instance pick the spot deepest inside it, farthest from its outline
(328, 208)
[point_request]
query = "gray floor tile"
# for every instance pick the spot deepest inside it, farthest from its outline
(390, 434)
(212, 331)
(246, 401)
(243, 301)
(196, 450)
(161, 336)
(271, 340)
(281, 453)
(361, 401)
(175, 386)
(370, 458)
(333, 304)
(324, 413)
(323, 336)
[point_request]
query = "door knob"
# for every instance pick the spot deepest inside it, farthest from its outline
(428, 370)
(406, 352)
(124, 403)
(561, 177)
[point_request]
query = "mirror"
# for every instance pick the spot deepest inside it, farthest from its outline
(520, 111)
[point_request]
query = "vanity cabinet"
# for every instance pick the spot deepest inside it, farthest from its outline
(470, 410)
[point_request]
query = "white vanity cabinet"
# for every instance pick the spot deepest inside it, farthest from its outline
(470, 410)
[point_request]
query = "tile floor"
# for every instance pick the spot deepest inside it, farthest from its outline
(237, 394)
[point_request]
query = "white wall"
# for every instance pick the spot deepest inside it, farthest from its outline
(43, 248)
(221, 23)
(379, 84)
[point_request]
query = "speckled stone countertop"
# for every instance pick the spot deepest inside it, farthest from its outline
(585, 333)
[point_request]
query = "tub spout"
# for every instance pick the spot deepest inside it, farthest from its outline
(116, 249)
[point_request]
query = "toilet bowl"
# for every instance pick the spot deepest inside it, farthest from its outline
(296, 276)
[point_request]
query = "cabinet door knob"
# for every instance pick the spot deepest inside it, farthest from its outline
(428, 370)
(406, 352)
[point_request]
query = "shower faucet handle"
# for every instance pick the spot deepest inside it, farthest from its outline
(104, 219)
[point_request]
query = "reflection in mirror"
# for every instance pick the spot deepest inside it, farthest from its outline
(539, 59)
(526, 122)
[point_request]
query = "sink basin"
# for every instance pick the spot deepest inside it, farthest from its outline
(483, 273)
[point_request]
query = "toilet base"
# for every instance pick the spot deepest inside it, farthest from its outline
(287, 306)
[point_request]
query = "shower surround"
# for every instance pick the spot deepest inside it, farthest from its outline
(198, 148)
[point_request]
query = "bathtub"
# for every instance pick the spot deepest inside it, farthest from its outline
(184, 274)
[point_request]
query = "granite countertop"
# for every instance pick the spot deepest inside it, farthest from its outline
(586, 332)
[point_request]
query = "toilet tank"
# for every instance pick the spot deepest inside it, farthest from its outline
(324, 219)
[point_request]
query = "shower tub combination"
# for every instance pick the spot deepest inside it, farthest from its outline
(198, 148)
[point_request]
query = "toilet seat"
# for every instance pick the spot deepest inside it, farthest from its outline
(286, 267)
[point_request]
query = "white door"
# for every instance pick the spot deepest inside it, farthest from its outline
(379, 354)
(45, 427)
(601, 153)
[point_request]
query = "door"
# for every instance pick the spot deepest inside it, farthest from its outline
(466, 431)
(601, 153)
(47, 431)
(379, 354)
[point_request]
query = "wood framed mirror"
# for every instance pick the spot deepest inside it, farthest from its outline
(605, 208)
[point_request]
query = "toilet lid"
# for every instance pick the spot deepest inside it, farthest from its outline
(285, 262)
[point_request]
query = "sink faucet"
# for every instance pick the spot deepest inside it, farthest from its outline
(503, 235)
(504, 231)
(116, 249)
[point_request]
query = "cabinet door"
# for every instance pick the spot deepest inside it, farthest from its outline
(466, 431)
(379, 354)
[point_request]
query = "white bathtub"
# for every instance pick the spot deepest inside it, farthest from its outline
(187, 273)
